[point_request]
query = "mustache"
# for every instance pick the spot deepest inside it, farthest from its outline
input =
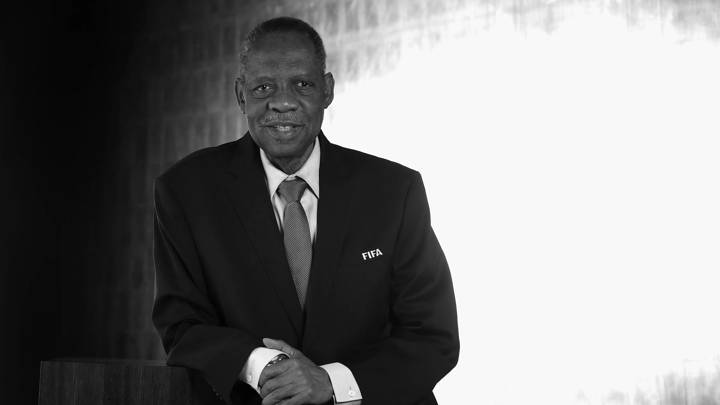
(291, 118)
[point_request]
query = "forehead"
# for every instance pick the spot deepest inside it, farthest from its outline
(280, 54)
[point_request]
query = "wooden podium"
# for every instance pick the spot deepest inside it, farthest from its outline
(115, 381)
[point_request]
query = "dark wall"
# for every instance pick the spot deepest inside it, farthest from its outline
(56, 60)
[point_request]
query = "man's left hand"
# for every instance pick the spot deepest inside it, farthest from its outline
(294, 381)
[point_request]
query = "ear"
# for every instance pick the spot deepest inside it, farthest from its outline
(329, 89)
(239, 94)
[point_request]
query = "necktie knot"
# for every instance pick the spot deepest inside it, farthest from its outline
(292, 190)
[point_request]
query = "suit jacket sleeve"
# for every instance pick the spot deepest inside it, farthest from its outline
(183, 314)
(423, 343)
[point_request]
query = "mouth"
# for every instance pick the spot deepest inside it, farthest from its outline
(282, 126)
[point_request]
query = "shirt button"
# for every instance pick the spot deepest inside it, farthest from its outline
(352, 393)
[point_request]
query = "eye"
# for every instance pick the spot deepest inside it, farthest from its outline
(262, 90)
(304, 84)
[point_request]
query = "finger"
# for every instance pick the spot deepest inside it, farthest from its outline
(300, 376)
(299, 399)
(292, 372)
(275, 383)
(296, 399)
(282, 393)
(278, 344)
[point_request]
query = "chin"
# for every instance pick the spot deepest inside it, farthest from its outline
(278, 148)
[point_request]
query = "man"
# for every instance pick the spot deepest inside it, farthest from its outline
(294, 271)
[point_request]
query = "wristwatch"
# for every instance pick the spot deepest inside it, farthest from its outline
(277, 359)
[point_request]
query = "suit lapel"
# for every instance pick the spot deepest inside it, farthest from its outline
(249, 195)
(332, 223)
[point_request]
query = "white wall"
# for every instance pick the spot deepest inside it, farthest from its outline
(574, 180)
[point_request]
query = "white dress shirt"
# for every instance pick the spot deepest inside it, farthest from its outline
(345, 388)
(310, 173)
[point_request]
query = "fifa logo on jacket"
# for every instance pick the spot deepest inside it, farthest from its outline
(371, 254)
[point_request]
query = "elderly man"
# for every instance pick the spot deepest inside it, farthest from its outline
(294, 271)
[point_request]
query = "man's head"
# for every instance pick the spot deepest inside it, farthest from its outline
(283, 89)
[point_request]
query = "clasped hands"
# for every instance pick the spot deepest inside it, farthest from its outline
(294, 381)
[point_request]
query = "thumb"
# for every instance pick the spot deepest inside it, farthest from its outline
(278, 344)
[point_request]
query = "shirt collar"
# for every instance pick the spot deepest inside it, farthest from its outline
(310, 172)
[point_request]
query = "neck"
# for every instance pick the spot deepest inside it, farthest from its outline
(290, 165)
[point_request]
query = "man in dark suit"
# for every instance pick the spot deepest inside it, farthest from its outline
(290, 270)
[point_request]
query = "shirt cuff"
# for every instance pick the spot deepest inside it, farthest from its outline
(256, 362)
(345, 387)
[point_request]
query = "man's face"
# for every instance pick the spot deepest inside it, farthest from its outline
(284, 95)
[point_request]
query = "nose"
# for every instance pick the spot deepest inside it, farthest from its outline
(283, 101)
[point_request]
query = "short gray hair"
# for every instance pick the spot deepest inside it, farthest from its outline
(281, 24)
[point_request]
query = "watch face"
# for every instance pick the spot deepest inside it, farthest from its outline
(277, 359)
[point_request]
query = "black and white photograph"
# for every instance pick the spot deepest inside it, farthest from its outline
(360, 202)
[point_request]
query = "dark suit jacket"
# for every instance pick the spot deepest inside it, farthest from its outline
(223, 282)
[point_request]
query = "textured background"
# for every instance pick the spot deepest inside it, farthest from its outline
(102, 97)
